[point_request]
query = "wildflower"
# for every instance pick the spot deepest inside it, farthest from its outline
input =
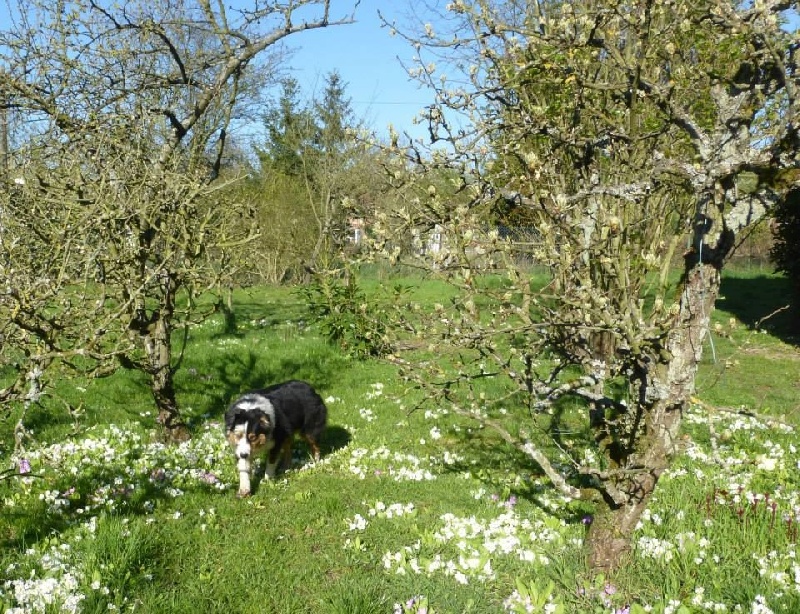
(24, 466)
(766, 463)
(760, 605)
(359, 523)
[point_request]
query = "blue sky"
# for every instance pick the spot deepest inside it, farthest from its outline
(366, 56)
(369, 60)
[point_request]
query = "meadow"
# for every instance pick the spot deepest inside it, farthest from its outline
(410, 510)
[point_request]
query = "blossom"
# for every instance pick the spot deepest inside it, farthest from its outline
(209, 478)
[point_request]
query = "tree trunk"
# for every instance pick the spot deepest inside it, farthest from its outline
(163, 387)
(668, 387)
(158, 345)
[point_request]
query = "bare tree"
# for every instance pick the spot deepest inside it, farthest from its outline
(117, 221)
(634, 135)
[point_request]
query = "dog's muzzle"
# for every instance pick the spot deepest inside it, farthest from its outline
(243, 449)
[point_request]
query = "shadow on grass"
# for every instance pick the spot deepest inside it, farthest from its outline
(760, 302)
(23, 526)
(334, 438)
(230, 374)
(491, 461)
(251, 313)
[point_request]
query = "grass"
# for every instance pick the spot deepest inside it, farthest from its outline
(407, 511)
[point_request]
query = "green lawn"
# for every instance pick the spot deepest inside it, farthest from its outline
(407, 511)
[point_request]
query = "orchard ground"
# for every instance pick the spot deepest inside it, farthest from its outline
(410, 509)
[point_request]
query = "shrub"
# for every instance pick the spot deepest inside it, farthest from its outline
(347, 317)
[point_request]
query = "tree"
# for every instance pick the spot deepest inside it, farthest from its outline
(290, 127)
(621, 130)
(116, 223)
(329, 171)
(311, 165)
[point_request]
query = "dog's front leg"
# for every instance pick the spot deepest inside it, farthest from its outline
(273, 460)
(243, 465)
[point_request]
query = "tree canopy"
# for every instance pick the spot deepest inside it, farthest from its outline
(634, 136)
(116, 220)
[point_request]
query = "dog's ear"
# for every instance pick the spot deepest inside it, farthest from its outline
(233, 416)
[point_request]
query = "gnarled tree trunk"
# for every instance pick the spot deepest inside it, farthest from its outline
(158, 347)
(668, 388)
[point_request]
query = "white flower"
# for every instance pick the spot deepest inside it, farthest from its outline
(759, 606)
(766, 463)
(359, 523)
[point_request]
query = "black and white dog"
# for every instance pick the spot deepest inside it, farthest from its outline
(266, 420)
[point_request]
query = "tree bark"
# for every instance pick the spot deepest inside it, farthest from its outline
(668, 388)
(158, 346)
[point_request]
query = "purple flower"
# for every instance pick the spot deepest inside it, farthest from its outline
(209, 478)
(625, 610)
(24, 466)
(587, 520)
(610, 589)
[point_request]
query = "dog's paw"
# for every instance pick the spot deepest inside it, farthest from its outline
(243, 494)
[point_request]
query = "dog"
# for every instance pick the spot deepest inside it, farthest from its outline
(266, 421)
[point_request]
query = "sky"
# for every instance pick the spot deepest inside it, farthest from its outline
(369, 60)
(366, 56)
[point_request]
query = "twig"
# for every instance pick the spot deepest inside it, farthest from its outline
(13, 473)
(758, 323)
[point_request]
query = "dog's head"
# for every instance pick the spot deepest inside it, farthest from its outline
(249, 423)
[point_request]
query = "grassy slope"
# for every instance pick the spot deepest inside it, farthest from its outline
(179, 545)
